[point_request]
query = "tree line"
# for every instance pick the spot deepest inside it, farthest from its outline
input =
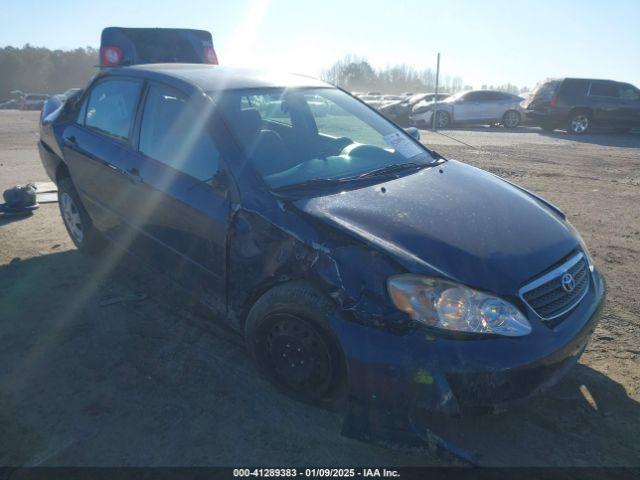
(40, 70)
(355, 73)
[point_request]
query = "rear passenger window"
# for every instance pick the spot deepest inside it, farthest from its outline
(574, 87)
(604, 89)
(175, 133)
(111, 107)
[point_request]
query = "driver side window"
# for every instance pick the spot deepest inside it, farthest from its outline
(177, 134)
(333, 120)
(629, 92)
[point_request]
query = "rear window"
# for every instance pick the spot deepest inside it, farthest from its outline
(546, 91)
(604, 89)
(573, 86)
(111, 107)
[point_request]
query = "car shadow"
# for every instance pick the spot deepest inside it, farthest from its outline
(80, 374)
(587, 419)
(93, 375)
(6, 219)
(604, 137)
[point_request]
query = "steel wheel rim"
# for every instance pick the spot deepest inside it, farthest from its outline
(579, 123)
(297, 355)
(71, 216)
(511, 119)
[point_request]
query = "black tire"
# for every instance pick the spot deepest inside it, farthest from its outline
(443, 119)
(579, 122)
(76, 219)
(547, 127)
(289, 338)
(511, 119)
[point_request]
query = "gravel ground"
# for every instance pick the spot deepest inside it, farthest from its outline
(154, 382)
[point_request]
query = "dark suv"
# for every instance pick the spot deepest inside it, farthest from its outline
(578, 104)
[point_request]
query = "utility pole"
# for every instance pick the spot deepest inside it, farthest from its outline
(435, 100)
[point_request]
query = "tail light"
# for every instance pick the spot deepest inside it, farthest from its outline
(210, 55)
(554, 102)
(110, 56)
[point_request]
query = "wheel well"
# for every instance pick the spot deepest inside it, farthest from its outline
(575, 110)
(262, 290)
(62, 172)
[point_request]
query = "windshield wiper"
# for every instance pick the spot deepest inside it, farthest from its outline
(315, 182)
(392, 169)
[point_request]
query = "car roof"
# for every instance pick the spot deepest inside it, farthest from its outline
(212, 78)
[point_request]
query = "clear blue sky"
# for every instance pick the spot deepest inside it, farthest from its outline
(488, 41)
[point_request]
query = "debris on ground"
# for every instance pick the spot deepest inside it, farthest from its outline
(19, 200)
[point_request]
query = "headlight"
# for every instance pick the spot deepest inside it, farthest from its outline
(450, 306)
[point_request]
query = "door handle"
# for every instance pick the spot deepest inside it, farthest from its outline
(134, 175)
(70, 141)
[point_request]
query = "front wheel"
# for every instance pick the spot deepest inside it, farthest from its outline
(443, 119)
(579, 123)
(76, 219)
(511, 119)
(288, 335)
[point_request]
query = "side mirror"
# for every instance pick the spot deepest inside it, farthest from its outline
(414, 132)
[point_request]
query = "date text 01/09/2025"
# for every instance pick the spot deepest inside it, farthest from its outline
(316, 473)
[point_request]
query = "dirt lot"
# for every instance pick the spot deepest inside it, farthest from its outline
(153, 383)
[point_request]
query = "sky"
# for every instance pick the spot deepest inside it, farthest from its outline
(490, 42)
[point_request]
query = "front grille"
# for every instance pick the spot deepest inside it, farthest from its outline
(546, 295)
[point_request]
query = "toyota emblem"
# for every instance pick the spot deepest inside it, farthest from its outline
(568, 282)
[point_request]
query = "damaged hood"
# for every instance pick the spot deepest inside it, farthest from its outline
(455, 221)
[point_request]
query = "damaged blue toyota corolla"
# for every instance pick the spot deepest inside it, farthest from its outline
(356, 262)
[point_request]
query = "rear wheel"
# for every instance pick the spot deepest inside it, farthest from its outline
(76, 220)
(288, 335)
(443, 119)
(579, 122)
(511, 119)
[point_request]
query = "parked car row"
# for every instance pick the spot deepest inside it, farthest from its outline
(29, 101)
(33, 101)
(475, 106)
(575, 104)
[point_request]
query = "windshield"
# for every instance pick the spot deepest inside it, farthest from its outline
(294, 136)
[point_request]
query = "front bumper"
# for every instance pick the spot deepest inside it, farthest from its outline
(396, 378)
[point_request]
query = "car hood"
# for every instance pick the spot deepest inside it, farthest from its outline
(456, 221)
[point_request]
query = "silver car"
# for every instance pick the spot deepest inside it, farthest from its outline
(478, 107)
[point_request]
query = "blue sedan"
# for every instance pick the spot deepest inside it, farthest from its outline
(354, 261)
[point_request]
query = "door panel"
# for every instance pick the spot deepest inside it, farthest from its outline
(629, 110)
(605, 102)
(180, 216)
(465, 111)
(97, 148)
(182, 227)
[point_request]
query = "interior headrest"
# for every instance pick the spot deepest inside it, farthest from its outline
(250, 120)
